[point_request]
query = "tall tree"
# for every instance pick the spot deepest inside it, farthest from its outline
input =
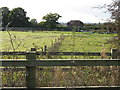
(4, 15)
(18, 18)
(51, 20)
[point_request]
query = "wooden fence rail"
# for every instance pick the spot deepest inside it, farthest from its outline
(57, 53)
(63, 62)
(31, 62)
(113, 53)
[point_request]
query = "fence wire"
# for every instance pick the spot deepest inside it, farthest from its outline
(78, 76)
(13, 76)
(63, 76)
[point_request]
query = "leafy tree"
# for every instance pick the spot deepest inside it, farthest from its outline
(34, 22)
(51, 20)
(42, 24)
(18, 18)
(4, 14)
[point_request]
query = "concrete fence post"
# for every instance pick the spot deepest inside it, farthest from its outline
(31, 70)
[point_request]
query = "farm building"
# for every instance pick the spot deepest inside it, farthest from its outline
(75, 24)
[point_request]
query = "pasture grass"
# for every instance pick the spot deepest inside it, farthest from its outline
(23, 41)
(74, 41)
(86, 42)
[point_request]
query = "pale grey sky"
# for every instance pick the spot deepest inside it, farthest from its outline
(68, 9)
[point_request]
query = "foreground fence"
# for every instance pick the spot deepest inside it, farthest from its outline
(31, 62)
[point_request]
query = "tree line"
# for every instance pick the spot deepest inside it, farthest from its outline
(17, 18)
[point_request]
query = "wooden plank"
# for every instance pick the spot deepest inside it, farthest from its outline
(13, 62)
(57, 53)
(65, 62)
(66, 88)
(12, 53)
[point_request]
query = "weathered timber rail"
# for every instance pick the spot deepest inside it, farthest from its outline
(67, 88)
(57, 53)
(63, 62)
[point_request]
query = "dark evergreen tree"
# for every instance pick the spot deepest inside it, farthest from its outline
(18, 18)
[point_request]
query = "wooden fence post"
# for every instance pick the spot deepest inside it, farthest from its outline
(114, 53)
(45, 48)
(31, 70)
(115, 56)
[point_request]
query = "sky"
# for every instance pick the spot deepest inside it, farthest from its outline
(69, 9)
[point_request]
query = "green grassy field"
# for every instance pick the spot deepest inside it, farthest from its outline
(87, 42)
(23, 41)
(74, 41)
